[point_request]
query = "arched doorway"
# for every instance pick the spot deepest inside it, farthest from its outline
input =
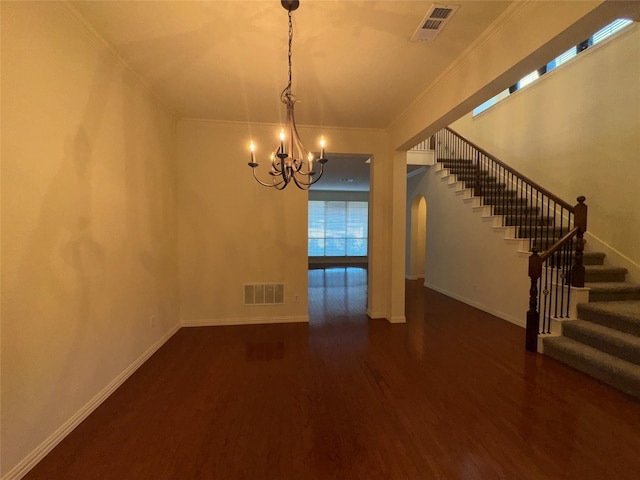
(418, 235)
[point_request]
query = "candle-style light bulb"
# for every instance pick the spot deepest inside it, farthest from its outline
(252, 147)
(282, 141)
(322, 143)
(310, 161)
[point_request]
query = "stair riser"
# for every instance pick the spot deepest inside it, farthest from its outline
(587, 260)
(604, 276)
(602, 343)
(596, 370)
(592, 259)
(608, 320)
(612, 296)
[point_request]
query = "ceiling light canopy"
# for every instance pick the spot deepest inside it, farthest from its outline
(290, 161)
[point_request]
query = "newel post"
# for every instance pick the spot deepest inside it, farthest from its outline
(533, 316)
(580, 221)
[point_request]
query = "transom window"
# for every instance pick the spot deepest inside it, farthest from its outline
(594, 39)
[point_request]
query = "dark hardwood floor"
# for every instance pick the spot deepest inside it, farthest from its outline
(452, 394)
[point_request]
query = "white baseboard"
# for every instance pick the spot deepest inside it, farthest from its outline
(212, 322)
(521, 322)
(30, 461)
(398, 319)
(374, 315)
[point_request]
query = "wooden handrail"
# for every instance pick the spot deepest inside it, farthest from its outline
(535, 271)
(559, 244)
(519, 198)
(541, 189)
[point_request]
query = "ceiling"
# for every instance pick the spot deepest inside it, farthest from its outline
(350, 173)
(345, 173)
(354, 64)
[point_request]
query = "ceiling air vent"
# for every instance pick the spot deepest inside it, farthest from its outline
(433, 23)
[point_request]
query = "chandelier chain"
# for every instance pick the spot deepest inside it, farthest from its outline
(291, 162)
(286, 93)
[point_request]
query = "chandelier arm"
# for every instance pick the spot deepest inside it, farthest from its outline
(274, 184)
(319, 174)
(305, 185)
(276, 166)
(308, 184)
(300, 184)
(303, 155)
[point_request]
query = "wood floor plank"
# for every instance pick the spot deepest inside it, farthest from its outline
(452, 394)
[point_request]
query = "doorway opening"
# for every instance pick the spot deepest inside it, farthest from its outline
(338, 230)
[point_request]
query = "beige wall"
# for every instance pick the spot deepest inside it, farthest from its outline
(466, 258)
(341, 195)
(233, 231)
(89, 230)
(254, 234)
(576, 131)
(527, 35)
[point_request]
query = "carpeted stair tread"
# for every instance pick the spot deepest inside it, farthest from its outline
(613, 291)
(588, 259)
(468, 170)
(614, 342)
(514, 210)
(503, 200)
(606, 368)
(604, 273)
(540, 231)
(592, 258)
(527, 219)
(492, 187)
(471, 179)
(494, 190)
(622, 315)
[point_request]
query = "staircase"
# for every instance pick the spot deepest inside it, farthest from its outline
(526, 217)
(604, 340)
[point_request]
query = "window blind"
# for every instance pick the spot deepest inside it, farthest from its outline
(337, 228)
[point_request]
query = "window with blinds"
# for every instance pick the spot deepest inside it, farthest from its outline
(594, 39)
(338, 228)
(565, 57)
(610, 29)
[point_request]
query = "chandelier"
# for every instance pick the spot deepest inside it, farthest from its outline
(290, 160)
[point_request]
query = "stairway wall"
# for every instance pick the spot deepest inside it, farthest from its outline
(466, 258)
(576, 131)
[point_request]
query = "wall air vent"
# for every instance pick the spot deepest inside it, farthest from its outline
(433, 23)
(264, 294)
